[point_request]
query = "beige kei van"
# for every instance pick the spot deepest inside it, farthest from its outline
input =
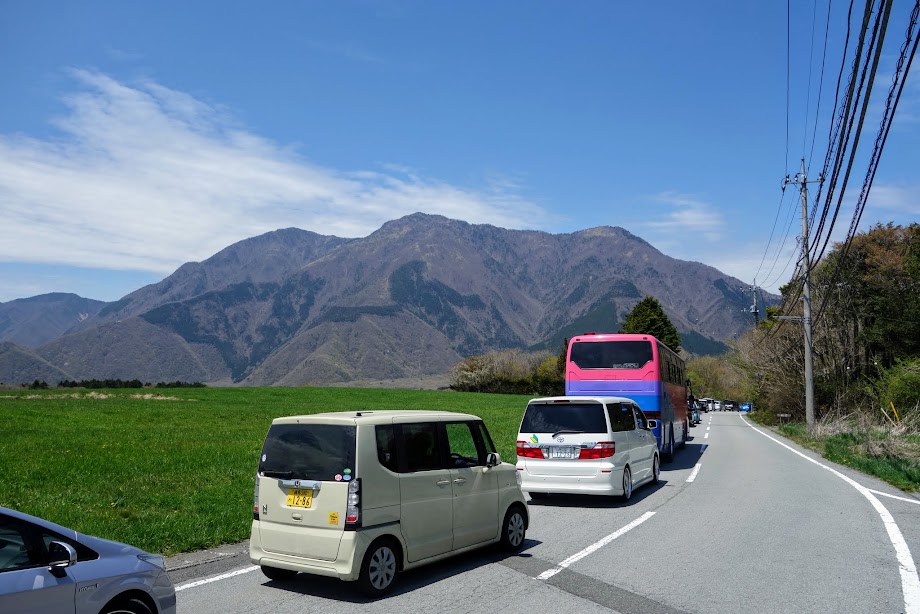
(362, 496)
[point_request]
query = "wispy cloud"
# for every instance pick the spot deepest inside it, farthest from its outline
(681, 216)
(144, 177)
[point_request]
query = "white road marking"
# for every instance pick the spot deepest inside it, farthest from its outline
(707, 428)
(549, 573)
(694, 472)
(706, 436)
(230, 574)
(885, 494)
(910, 581)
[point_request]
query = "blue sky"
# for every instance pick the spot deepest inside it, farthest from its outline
(138, 136)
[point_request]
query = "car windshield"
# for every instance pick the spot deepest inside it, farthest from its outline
(308, 451)
(569, 417)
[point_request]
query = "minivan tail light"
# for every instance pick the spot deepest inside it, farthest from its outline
(525, 450)
(602, 449)
(255, 500)
(353, 508)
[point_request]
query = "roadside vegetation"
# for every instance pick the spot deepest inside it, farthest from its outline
(866, 330)
(172, 470)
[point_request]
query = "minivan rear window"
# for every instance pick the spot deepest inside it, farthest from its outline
(308, 451)
(576, 417)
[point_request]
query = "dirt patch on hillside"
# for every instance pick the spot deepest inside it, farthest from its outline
(93, 395)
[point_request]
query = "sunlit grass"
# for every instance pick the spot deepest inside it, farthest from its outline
(177, 475)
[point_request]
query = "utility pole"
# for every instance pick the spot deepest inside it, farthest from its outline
(753, 310)
(801, 181)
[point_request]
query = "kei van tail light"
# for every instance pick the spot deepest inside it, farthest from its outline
(353, 508)
(255, 500)
(602, 449)
(525, 450)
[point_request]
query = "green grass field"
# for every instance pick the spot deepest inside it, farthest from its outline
(176, 475)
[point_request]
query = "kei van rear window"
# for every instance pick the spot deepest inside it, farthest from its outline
(308, 451)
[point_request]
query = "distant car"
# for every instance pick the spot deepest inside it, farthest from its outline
(717, 406)
(730, 405)
(695, 416)
(745, 407)
(45, 567)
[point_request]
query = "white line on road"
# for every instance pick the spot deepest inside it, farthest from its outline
(706, 436)
(707, 428)
(910, 581)
(549, 573)
(230, 574)
(694, 472)
(885, 494)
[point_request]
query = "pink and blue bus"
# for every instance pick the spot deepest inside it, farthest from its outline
(638, 367)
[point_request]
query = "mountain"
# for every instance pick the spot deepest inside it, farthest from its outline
(21, 365)
(411, 299)
(37, 320)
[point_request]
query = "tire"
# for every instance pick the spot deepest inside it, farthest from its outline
(277, 574)
(669, 450)
(514, 527)
(128, 606)
(379, 568)
(627, 484)
(656, 471)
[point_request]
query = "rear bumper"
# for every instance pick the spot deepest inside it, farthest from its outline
(600, 484)
(346, 566)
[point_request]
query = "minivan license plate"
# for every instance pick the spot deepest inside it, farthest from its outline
(300, 497)
(562, 452)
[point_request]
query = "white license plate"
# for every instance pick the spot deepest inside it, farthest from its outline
(561, 452)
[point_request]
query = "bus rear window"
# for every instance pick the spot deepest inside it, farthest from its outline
(611, 354)
(308, 451)
(577, 417)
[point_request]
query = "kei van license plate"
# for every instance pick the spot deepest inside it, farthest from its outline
(561, 452)
(300, 497)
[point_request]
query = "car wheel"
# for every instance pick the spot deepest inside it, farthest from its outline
(627, 484)
(656, 470)
(513, 529)
(278, 574)
(379, 568)
(669, 451)
(128, 606)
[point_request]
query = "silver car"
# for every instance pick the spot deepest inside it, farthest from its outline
(46, 568)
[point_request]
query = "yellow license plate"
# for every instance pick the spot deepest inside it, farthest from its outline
(300, 497)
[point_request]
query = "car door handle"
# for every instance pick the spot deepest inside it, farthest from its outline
(443, 482)
(460, 481)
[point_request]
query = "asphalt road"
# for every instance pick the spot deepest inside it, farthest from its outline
(742, 521)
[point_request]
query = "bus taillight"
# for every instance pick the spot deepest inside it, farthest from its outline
(603, 449)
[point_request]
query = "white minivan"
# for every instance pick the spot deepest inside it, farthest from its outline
(362, 496)
(585, 445)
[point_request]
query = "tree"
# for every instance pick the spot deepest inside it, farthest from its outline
(648, 318)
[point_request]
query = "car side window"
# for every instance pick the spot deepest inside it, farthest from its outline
(621, 417)
(21, 545)
(462, 445)
(386, 446)
(420, 443)
(485, 438)
(641, 422)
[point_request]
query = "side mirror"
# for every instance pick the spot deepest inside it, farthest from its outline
(652, 425)
(61, 556)
(493, 459)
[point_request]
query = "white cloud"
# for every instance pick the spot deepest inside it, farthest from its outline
(145, 178)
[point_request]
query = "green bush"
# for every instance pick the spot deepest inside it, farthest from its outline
(900, 385)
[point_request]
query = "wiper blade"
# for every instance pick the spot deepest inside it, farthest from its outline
(567, 433)
(278, 474)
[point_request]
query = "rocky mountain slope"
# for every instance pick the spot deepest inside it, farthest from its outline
(411, 299)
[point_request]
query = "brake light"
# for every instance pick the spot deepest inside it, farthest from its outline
(353, 509)
(602, 449)
(525, 450)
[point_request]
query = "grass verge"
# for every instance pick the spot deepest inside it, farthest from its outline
(892, 457)
(173, 471)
